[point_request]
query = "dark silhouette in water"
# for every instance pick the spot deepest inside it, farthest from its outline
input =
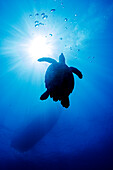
(26, 138)
(59, 80)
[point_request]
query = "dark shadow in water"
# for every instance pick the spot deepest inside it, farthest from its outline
(89, 159)
(26, 138)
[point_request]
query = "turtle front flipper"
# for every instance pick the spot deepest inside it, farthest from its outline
(45, 95)
(47, 59)
(77, 72)
(65, 102)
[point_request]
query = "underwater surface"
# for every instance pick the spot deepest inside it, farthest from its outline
(43, 135)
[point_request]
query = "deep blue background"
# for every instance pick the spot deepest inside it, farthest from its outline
(43, 135)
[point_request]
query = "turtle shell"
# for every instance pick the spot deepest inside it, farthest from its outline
(59, 81)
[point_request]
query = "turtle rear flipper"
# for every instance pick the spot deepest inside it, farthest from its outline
(45, 95)
(65, 102)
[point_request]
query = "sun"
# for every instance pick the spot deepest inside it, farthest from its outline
(38, 47)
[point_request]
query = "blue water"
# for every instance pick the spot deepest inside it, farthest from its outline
(43, 135)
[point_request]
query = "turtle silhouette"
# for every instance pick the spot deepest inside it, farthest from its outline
(59, 80)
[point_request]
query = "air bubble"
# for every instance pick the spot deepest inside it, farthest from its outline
(36, 22)
(36, 14)
(45, 17)
(61, 38)
(41, 23)
(52, 10)
(43, 14)
(66, 19)
(36, 25)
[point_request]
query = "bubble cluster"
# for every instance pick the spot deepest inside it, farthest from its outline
(91, 59)
(70, 48)
(38, 24)
(44, 16)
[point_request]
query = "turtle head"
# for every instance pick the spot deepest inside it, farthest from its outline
(62, 58)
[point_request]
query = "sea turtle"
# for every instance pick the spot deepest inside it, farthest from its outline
(59, 80)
